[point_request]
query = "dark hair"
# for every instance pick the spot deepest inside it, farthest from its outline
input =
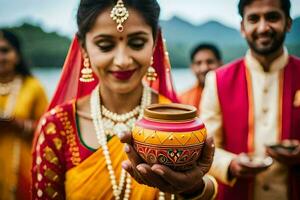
(12, 39)
(206, 46)
(285, 6)
(89, 10)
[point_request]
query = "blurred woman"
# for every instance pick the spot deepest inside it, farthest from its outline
(22, 102)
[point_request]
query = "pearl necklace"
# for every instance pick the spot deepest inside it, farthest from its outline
(115, 123)
(100, 132)
(6, 88)
(120, 118)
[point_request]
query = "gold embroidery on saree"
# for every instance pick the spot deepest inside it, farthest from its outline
(58, 143)
(50, 156)
(69, 132)
(50, 128)
(51, 192)
(51, 175)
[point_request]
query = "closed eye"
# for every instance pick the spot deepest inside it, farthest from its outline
(137, 43)
(105, 45)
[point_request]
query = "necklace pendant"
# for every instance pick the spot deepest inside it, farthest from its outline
(120, 128)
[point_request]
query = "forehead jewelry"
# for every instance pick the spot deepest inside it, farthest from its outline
(119, 14)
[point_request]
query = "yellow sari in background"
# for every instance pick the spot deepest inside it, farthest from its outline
(15, 152)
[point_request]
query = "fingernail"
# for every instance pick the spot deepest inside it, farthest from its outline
(159, 171)
(121, 135)
(125, 166)
(127, 148)
(141, 169)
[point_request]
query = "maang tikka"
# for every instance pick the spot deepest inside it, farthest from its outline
(119, 14)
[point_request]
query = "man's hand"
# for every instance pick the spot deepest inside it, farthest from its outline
(285, 156)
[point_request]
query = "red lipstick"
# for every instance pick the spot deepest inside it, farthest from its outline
(123, 75)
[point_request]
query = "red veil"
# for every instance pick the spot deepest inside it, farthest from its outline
(69, 86)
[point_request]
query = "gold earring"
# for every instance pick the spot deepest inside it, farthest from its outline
(151, 73)
(86, 72)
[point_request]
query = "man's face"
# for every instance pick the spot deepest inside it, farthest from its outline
(264, 26)
(204, 61)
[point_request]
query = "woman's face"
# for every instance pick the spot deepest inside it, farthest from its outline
(8, 57)
(120, 59)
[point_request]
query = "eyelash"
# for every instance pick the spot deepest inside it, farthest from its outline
(106, 48)
(135, 44)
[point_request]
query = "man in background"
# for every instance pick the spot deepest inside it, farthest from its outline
(204, 57)
(253, 103)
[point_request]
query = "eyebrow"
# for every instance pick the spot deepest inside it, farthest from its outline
(138, 33)
(103, 36)
(129, 35)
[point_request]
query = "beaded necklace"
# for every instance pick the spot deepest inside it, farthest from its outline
(101, 136)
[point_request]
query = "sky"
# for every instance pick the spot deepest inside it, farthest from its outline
(59, 15)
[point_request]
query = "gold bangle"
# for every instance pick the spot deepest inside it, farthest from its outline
(215, 184)
(208, 180)
(202, 194)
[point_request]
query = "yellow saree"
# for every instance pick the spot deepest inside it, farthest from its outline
(90, 179)
(15, 152)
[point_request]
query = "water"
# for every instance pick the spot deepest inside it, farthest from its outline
(49, 77)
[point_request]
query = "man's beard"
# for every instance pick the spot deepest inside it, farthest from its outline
(276, 44)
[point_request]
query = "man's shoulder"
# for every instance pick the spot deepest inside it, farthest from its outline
(190, 92)
(295, 60)
(230, 67)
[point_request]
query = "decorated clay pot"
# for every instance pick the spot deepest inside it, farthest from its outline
(169, 134)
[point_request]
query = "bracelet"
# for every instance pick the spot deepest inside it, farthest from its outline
(208, 180)
(215, 183)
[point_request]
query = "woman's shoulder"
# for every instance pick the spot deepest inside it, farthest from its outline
(31, 80)
(60, 117)
(33, 83)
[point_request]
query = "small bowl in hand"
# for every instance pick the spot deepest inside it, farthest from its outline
(255, 161)
(287, 146)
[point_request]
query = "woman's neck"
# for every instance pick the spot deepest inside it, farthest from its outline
(121, 103)
(7, 77)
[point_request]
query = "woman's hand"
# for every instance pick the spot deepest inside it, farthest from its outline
(164, 178)
(6, 123)
(18, 126)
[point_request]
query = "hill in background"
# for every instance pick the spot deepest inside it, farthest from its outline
(43, 49)
(182, 36)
